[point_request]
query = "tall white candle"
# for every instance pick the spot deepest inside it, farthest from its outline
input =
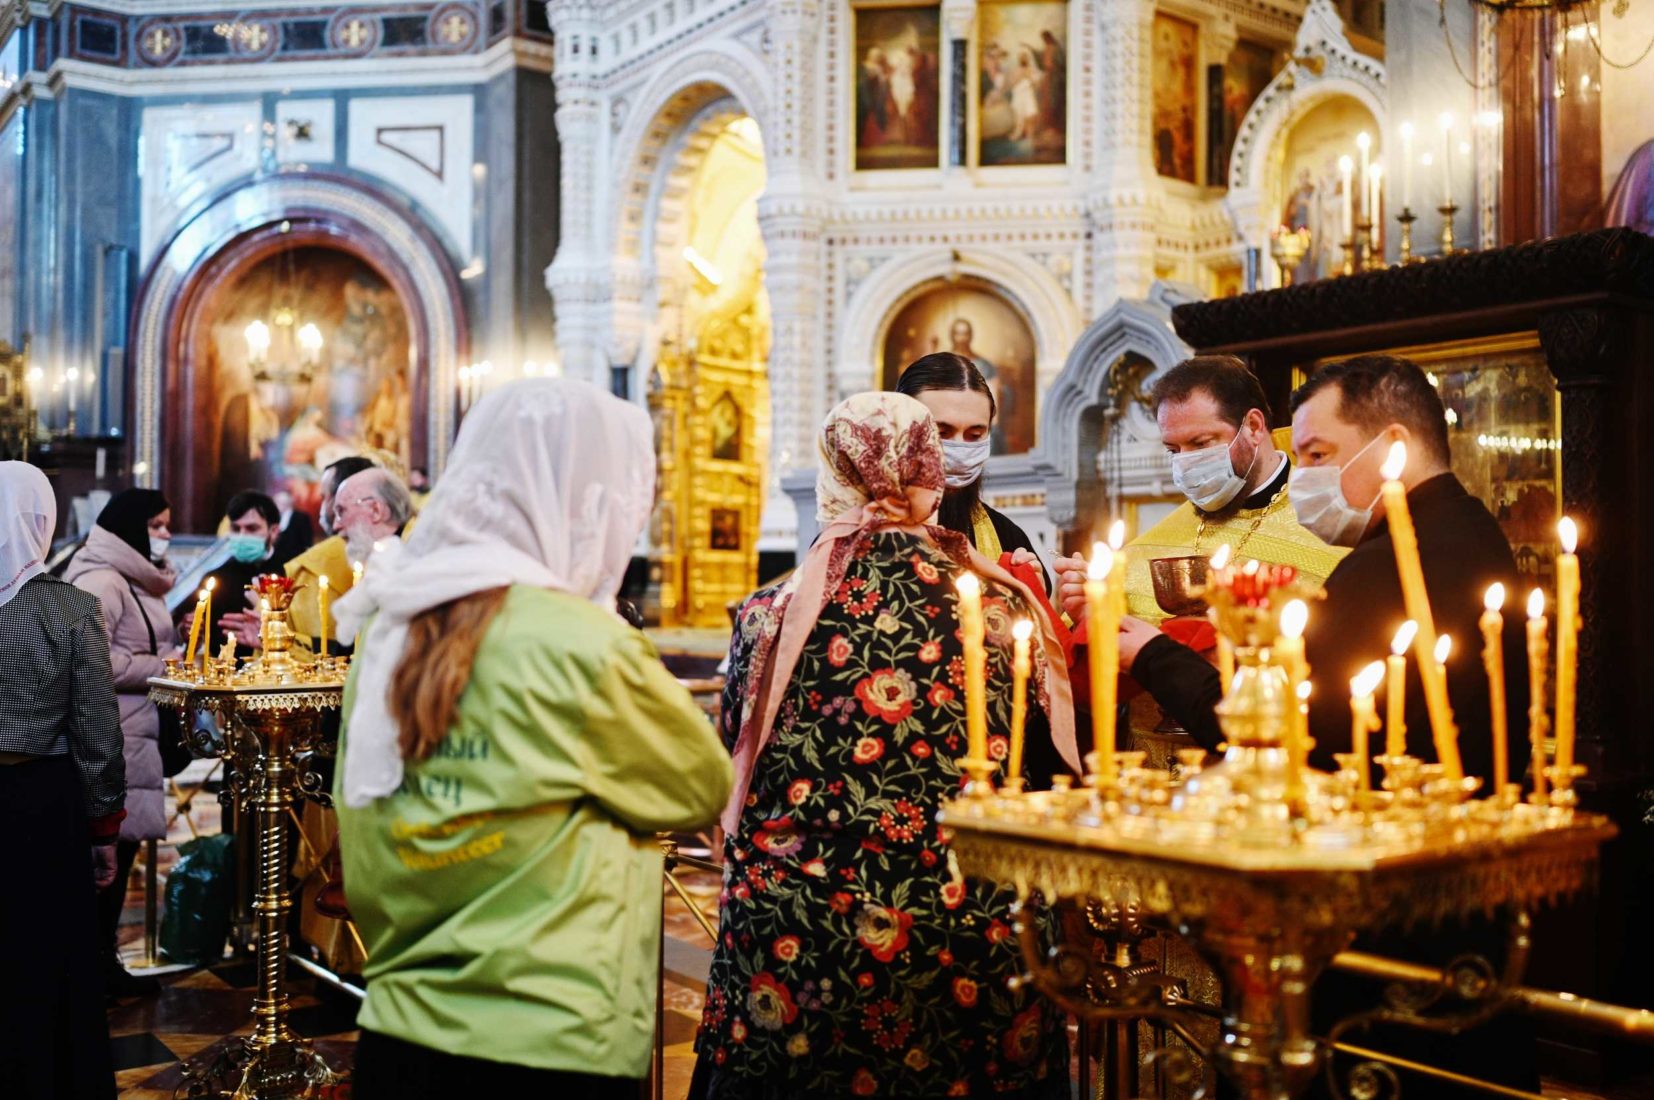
(1345, 168)
(1407, 165)
(1447, 159)
(1364, 142)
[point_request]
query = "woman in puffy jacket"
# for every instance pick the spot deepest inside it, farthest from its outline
(123, 564)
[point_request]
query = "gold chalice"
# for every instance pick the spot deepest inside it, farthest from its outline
(1180, 584)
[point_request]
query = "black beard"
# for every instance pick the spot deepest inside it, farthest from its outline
(959, 508)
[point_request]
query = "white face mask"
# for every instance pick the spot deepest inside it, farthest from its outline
(158, 547)
(1317, 494)
(1207, 476)
(962, 462)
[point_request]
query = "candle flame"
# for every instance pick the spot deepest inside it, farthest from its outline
(1102, 558)
(1304, 689)
(1117, 534)
(322, 581)
(1567, 533)
(1023, 630)
(1536, 603)
(1404, 637)
(1293, 617)
(1495, 598)
(1366, 681)
(1346, 165)
(1363, 140)
(1220, 556)
(1396, 463)
(968, 585)
(1444, 649)
(212, 583)
(201, 595)
(1250, 568)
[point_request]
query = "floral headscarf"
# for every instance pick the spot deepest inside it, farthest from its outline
(881, 469)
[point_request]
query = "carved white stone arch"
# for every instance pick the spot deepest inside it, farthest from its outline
(1031, 287)
(1073, 421)
(354, 209)
(662, 112)
(1297, 90)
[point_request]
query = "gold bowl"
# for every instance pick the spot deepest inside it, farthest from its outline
(1180, 584)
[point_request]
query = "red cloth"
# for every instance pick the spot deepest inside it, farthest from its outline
(106, 829)
(1029, 574)
(1198, 634)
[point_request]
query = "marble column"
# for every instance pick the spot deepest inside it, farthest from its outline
(792, 218)
(1123, 205)
(578, 275)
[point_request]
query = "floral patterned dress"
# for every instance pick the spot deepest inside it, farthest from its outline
(853, 959)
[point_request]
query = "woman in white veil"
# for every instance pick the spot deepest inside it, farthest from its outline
(509, 751)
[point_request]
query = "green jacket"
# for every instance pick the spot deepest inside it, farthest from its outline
(509, 893)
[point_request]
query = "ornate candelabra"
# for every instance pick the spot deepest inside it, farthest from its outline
(268, 713)
(1268, 867)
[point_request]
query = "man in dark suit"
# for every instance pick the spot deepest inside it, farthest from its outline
(1344, 421)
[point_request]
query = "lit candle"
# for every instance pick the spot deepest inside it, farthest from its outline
(1493, 659)
(1538, 650)
(195, 627)
(1103, 646)
(1226, 649)
(1447, 159)
(355, 573)
(321, 611)
(1407, 165)
(976, 666)
(1117, 568)
(1020, 633)
(227, 653)
(1395, 730)
(1364, 142)
(1345, 168)
(1417, 602)
(1289, 651)
(206, 620)
(1364, 719)
(1375, 193)
(1567, 640)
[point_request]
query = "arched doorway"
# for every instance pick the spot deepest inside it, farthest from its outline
(708, 388)
(363, 237)
(295, 351)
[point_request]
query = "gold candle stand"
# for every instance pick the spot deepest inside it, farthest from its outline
(269, 714)
(1447, 213)
(1406, 219)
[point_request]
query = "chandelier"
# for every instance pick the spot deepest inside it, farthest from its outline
(299, 349)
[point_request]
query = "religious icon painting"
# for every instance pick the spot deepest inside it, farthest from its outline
(1176, 96)
(980, 321)
(726, 529)
(1250, 68)
(1022, 83)
(898, 86)
(724, 419)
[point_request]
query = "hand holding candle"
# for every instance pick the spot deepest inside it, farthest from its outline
(1364, 720)
(1020, 667)
(1417, 601)
(1395, 730)
(976, 666)
(1493, 659)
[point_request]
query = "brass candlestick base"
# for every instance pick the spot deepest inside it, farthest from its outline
(1406, 218)
(1563, 795)
(1348, 245)
(1447, 213)
(980, 784)
(270, 736)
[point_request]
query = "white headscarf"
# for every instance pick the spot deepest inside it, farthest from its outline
(550, 484)
(28, 515)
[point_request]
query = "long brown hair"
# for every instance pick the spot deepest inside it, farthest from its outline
(436, 665)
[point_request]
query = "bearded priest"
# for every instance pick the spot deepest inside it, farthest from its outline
(1214, 422)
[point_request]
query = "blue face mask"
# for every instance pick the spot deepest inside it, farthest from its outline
(247, 548)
